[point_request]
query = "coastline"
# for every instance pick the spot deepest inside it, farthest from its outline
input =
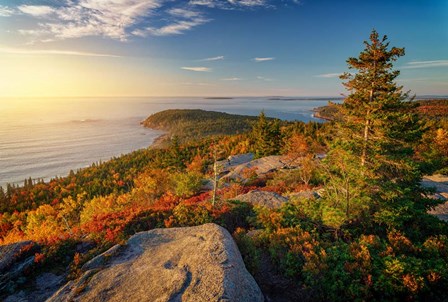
(317, 114)
(57, 168)
(160, 141)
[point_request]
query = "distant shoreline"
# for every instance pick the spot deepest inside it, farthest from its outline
(159, 141)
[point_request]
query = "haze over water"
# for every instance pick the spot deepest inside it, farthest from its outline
(44, 138)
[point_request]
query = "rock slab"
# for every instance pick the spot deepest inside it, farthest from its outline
(440, 183)
(260, 167)
(199, 263)
(270, 200)
(15, 261)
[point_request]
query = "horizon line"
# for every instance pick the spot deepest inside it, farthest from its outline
(198, 96)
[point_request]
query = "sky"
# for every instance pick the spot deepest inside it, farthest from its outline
(71, 48)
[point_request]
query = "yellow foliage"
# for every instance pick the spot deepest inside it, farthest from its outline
(103, 205)
(43, 225)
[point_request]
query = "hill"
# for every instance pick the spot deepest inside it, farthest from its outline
(188, 124)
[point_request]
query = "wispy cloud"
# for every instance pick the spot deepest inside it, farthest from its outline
(184, 20)
(218, 58)
(264, 79)
(263, 59)
(426, 64)
(120, 19)
(208, 3)
(176, 28)
(18, 51)
(248, 2)
(6, 11)
(232, 79)
(231, 4)
(328, 75)
(198, 69)
(184, 13)
(36, 10)
(196, 84)
(75, 19)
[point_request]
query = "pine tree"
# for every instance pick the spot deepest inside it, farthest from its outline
(266, 136)
(375, 138)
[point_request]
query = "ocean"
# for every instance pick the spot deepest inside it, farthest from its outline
(43, 138)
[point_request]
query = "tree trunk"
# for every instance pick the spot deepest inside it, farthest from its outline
(347, 210)
(366, 131)
(215, 176)
(366, 139)
(215, 182)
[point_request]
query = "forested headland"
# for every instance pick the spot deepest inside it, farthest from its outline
(190, 124)
(364, 235)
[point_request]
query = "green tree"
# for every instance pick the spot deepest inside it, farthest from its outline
(186, 184)
(266, 136)
(373, 150)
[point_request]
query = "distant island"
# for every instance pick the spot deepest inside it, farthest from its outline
(303, 99)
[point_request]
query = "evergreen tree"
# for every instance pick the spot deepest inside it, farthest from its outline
(3, 200)
(266, 136)
(372, 154)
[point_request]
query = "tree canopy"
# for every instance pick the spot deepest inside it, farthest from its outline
(371, 168)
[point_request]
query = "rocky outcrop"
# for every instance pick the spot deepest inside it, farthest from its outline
(440, 183)
(310, 194)
(180, 264)
(259, 166)
(233, 161)
(43, 287)
(270, 200)
(16, 261)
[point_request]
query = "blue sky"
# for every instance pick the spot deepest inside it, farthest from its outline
(211, 47)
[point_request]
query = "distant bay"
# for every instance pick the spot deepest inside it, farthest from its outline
(43, 138)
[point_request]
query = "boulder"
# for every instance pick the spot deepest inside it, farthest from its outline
(233, 161)
(43, 287)
(16, 260)
(440, 183)
(260, 167)
(270, 200)
(199, 263)
(309, 194)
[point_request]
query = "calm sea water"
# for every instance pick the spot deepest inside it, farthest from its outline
(44, 138)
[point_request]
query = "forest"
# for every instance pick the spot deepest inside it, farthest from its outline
(366, 236)
(189, 124)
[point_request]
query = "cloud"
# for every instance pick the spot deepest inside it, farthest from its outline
(231, 4)
(248, 2)
(179, 21)
(175, 28)
(120, 19)
(107, 18)
(196, 84)
(328, 75)
(218, 58)
(231, 79)
(198, 69)
(184, 13)
(426, 64)
(6, 11)
(263, 59)
(264, 79)
(18, 51)
(208, 3)
(36, 10)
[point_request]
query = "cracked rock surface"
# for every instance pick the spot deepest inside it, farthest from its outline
(199, 263)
